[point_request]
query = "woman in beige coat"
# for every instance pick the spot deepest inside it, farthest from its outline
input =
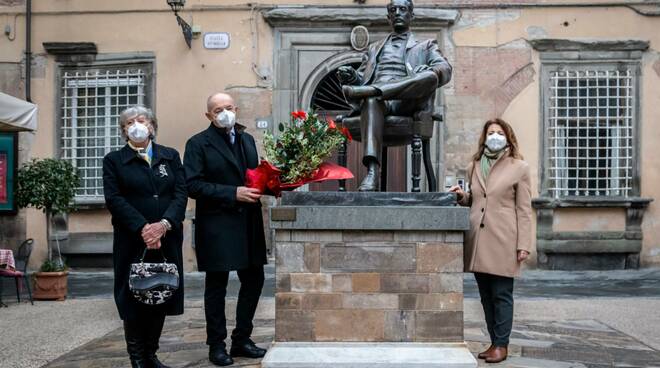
(500, 233)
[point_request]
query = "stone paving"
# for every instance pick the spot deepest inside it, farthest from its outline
(181, 345)
(573, 343)
(582, 343)
(563, 319)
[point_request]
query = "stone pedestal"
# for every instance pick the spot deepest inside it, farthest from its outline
(366, 277)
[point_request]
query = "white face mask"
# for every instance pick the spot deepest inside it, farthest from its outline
(225, 119)
(138, 132)
(496, 142)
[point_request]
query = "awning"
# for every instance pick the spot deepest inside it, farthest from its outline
(17, 115)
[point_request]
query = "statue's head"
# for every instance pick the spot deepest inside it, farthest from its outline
(400, 14)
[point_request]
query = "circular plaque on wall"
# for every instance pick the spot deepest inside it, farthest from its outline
(359, 38)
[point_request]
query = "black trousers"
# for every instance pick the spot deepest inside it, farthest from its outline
(142, 334)
(497, 300)
(252, 281)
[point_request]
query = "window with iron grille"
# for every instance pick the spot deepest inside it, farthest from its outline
(590, 122)
(91, 100)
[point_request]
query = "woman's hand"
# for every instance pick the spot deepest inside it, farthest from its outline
(460, 193)
(154, 245)
(151, 234)
(522, 255)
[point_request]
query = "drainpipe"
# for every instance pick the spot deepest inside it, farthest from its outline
(28, 49)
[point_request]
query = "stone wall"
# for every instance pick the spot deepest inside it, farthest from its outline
(350, 285)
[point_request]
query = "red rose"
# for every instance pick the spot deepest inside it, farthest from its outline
(347, 134)
(299, 115)
(331, 124)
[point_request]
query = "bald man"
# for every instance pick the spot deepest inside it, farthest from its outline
(229, 232)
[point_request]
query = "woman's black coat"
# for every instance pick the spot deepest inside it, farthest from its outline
(135, 195)
(229, 235)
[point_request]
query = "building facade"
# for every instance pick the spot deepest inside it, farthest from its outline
(578, 80)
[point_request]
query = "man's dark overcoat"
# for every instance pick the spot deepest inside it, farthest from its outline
(137, 194)
(229, 235)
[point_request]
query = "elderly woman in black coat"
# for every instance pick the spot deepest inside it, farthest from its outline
(145, 191)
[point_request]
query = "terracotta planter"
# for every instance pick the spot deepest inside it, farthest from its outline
(50, 285)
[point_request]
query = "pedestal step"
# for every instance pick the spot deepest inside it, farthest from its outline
(365, 354)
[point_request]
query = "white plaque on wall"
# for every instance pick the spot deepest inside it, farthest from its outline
(216, 40)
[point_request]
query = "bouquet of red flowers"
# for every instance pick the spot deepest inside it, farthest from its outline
(296, 157)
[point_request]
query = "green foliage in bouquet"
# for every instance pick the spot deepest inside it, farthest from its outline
(304, 143)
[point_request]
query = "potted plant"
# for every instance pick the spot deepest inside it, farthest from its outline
(49, 185)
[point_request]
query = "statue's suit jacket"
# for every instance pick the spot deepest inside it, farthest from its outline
(417, 53)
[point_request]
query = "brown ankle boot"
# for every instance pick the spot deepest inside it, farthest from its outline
(485, 354)
(498, 354)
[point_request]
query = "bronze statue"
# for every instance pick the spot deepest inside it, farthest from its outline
(399, 76)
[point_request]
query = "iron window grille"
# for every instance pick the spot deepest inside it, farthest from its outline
(589, 131)
(91, 101)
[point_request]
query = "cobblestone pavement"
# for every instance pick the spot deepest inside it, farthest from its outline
(573, 343)
(181, 345)
(578, 343)
(562, 319)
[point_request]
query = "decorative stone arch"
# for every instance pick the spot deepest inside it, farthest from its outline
(328, 66)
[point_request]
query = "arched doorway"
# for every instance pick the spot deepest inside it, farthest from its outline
(322, 93)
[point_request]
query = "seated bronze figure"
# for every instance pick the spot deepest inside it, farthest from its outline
(398, 76)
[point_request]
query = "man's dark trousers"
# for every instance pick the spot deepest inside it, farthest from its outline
(497, 300)
(252, 281)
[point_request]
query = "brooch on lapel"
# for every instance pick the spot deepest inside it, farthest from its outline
(162, 170)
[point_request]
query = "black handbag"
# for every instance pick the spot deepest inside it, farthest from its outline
(153, 283)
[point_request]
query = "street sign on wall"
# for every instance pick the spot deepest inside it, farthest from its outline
(216, 40)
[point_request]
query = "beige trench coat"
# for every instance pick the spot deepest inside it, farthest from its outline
(500, 217)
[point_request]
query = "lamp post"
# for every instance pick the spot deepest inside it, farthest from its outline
(176, 6)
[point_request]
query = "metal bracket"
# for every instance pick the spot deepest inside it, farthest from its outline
(185, 28)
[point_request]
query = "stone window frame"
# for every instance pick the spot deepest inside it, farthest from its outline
(578, 55)
(72, 62)
(627, 242)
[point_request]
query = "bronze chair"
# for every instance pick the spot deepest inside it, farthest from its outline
(416, 131)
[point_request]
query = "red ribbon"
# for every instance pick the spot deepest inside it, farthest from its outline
(266, 177)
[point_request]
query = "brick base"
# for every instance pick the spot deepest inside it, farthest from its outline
(369, 285)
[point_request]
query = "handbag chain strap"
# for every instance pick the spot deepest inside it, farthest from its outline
(145, 253)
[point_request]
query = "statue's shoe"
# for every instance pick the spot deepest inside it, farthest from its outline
(370, 182)
(359, 92)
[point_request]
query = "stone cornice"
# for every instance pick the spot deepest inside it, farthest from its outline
(351, 16)
(552, 44)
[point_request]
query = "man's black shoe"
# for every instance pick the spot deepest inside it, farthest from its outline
(220, 357)
(153, 362)
(246, 349)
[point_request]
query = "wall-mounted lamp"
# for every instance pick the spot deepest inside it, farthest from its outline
(176, 6)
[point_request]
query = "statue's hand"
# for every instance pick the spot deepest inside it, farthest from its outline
(346, 74)
(421, 68)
